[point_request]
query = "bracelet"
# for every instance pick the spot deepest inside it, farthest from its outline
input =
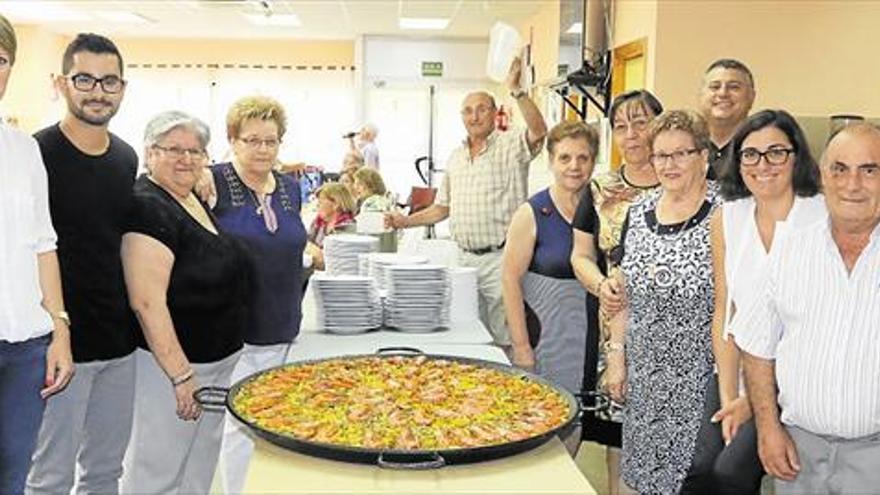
(599, 286)
(181, 379)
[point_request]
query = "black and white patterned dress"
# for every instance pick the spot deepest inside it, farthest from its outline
(668, 271)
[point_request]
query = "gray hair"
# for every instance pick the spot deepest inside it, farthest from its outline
(160, 125)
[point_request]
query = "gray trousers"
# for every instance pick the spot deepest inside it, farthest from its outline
(833, 466)
(489, 288)
(168, 455)
(85, 431)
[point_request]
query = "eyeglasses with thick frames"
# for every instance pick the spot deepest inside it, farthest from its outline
(256, 143)
(86, 82)
(678, 157)
(176, 153)
(750, 157)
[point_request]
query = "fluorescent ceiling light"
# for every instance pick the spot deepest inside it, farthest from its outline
(41, 12)
(289, 20)
(422, 23)
(576, 28)
(121, 17)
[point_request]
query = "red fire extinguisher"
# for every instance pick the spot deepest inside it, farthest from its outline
(502, 119)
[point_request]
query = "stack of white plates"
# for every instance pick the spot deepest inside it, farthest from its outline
(418, 297)
(374, 265)
(346, 303)
(341, 252)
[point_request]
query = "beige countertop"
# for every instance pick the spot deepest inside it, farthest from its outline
(547, 469)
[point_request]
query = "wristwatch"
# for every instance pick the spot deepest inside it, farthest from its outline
(63, 316)
(609, 346)
(519, 93)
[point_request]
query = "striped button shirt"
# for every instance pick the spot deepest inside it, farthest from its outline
(822, 327)
(483, 193)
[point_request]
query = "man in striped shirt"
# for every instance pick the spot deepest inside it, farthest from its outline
(815, 335)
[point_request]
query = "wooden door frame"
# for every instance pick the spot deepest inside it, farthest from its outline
(619, 57)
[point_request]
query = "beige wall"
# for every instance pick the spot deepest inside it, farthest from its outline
(30, 96)
(810, 57)
(140, 50)
(633, 20)
(31, 100)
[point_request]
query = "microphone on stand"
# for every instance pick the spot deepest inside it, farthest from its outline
(349, 135)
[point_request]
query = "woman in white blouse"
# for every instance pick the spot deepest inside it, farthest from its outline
(35, 358)
(770, 184)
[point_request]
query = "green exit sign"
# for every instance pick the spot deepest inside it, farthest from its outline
(432, 69)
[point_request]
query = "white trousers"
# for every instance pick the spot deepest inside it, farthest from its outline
(237, 442)
(489, 288)
(85, 431)
(168, 455)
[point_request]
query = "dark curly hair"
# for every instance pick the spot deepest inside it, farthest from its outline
(805, 177)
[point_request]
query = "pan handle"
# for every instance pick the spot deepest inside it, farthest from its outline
(401, 348)
(437, 461)
(593, 400)
(212, 398)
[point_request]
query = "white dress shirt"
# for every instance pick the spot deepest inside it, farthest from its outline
(25, 231)
(822, 327)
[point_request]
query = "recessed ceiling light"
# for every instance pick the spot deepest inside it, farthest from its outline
(423, 23)
(289, 20)
(576, 28)
(122, 17)
(41, 12)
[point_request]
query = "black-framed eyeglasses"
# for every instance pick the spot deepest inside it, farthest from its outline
(86, 82)
(749, 157)
(177, 153)
(678, 157)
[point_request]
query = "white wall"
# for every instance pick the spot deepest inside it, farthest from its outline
(395, 96)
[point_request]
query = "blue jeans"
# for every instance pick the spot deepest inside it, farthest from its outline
(22, 375)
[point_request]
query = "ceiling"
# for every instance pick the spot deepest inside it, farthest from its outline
(320, 19)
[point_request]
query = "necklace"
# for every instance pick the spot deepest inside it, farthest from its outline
(257, 203)
(660, 271)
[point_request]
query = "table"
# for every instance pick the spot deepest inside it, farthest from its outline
(320, 346)
(547, 469)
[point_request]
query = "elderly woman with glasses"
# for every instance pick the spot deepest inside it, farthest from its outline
(661, 342)
(596, 235)
(770, 184)
(188, 286)
(261, 208)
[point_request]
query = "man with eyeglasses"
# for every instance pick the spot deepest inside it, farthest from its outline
(91, 175)
(811, 347)
(485, 182)
(726, 97)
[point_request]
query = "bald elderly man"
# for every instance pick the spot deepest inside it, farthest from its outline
(486, 180)
(813, 338)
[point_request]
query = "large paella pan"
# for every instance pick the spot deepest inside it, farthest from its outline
(399, 410)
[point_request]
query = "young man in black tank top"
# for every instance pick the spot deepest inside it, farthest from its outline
(91, 173)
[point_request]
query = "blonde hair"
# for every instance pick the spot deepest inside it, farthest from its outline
(681, 120)
(339, 194)
(371, 179)
(255, 107)
(8, 40)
